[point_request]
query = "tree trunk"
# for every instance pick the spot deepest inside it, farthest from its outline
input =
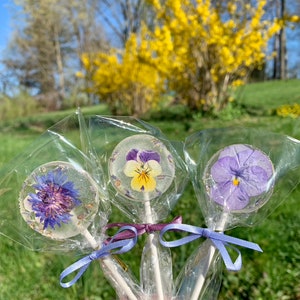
(280, 61)
(60, 70)
(282, 49)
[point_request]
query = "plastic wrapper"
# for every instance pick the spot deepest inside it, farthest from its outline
(146, 176)
(54, 197)
(240, 175)
(113, 139)
(54, 165)
(274, 150)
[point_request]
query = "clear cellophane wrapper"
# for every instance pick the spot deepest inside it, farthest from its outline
(106, 133)
(59, 149)
(121, 144)
(276, 154)
(63, 153)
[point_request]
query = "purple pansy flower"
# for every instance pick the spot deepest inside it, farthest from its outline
(143, 166)
(54, 198)
(241, 172)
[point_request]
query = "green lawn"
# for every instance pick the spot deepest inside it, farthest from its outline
(273, 274)
(270, 94)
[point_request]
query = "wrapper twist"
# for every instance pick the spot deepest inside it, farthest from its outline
(141, 228)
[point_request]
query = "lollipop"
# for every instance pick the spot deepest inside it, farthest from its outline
(62, 199)
(59, 201)
(142, 169)
(238, 180)
(233, 182)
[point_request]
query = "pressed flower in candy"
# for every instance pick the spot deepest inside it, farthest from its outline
(54, 199)
(240, 172)
(143, 166)
(59, 200)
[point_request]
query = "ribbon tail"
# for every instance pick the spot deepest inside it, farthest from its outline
(80, 265)
(233, 240)
(230, 265)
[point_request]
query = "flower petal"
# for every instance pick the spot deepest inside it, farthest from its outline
(221, 171)
(257, 181)
(143, 183)
(154, 167)
(148, 155)
(132, 154)
(230, 196)
(130, 168)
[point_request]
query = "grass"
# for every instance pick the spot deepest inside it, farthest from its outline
(273, 274)
(270, 94)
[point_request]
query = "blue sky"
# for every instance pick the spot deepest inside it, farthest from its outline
(5, 26)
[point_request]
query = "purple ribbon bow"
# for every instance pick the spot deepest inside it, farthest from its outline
(140, 228)
(220, 241)
(123, 245)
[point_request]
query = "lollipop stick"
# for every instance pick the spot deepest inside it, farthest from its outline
(154, 253)
(118, 280)
(201, 279)
(209, 260)
(90, 238)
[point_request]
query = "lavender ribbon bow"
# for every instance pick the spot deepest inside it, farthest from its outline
(219, 240)
(123, 245)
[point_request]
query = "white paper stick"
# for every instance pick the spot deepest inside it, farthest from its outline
(154, 253)
(108, 262)
(210, 258)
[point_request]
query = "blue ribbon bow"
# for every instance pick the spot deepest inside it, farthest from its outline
(220, 241)
(82, 264)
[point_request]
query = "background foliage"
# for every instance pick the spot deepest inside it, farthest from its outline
(272, 274)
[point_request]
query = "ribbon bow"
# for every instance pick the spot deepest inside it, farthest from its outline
(123, 245)
(140, 228)
(219, 240)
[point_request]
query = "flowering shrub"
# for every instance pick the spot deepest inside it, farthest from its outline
(196, 49)
(206, 49)
(289, 110)
(129, 86)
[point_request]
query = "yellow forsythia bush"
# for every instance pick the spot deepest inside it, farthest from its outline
(289, 110)
(197, 50)
(205, 50)
(121, 80)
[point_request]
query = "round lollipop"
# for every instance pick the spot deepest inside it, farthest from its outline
(237, 180)
(59, 201)
(142, 170)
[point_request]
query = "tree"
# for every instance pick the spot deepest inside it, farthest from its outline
(46, 47)
(125, 17)
(282, 10)
(205, 49)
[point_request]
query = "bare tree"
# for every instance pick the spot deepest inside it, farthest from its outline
(45, 51)
(124, 17)
(280, 60)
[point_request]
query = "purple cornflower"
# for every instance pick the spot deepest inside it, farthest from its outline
(239, 173)
(54, 198)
